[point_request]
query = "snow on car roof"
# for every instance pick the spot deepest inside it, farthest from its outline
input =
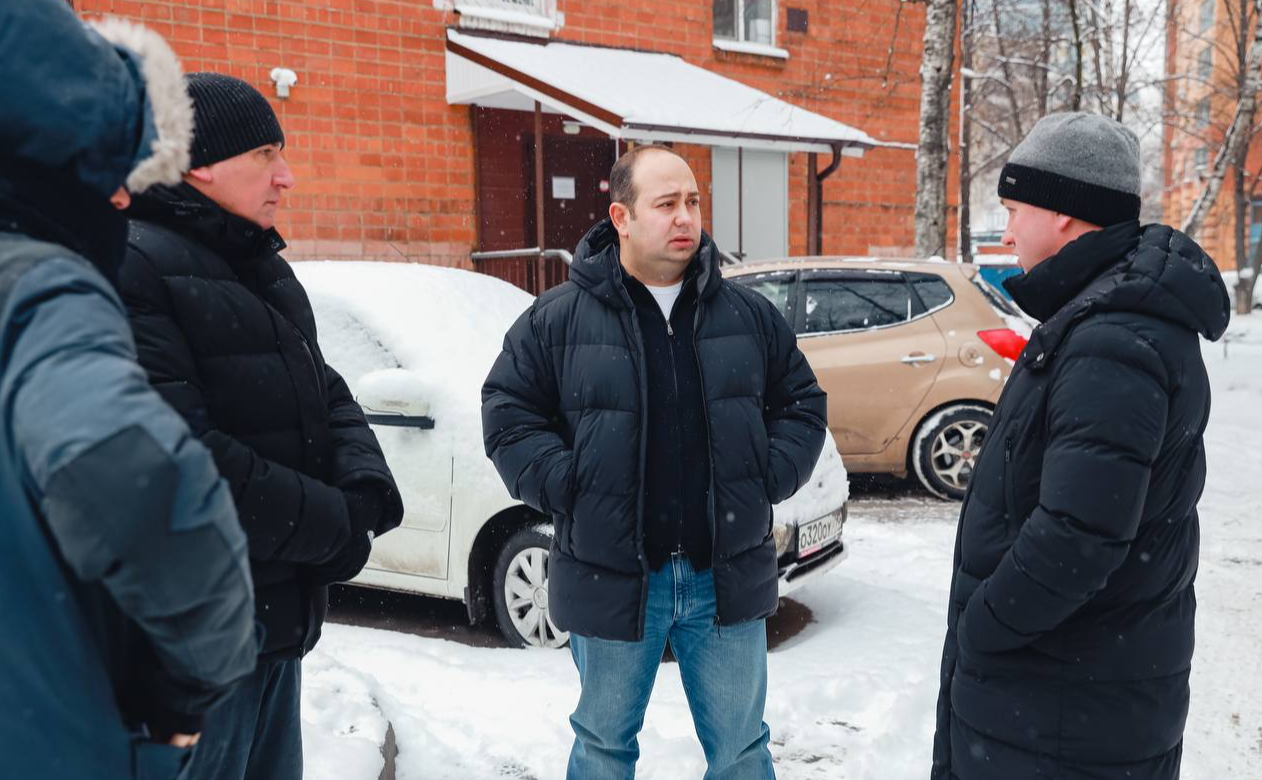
(445, 325)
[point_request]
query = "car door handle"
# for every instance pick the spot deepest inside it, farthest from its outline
(918, 358)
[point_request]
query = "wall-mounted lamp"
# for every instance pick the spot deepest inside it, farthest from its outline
(284, 78)
(571, 127)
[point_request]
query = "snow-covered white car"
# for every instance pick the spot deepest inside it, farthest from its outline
(415, 343)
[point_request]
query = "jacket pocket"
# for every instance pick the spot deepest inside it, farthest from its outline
(156, 761)
(1011, 519)
(963, 587)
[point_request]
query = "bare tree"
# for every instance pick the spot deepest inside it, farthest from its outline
(1238, 132)
(1243, 81)
(936, 68)
(1028, 58)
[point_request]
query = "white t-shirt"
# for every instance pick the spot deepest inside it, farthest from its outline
(665, 296)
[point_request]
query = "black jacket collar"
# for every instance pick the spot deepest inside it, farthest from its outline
(1050, 285)
(1154, 271)
(597, 267)
(53, 206)
(184, 209)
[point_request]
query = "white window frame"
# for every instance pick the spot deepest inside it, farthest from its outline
(538, 18)
(739, 44)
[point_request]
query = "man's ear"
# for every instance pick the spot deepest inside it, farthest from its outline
(1063, 223)
(203, 175)
(620, 215)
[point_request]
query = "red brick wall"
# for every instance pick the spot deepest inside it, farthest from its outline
(386, 168)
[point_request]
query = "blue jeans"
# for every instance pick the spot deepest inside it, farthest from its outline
(724, 672)
(255, 733)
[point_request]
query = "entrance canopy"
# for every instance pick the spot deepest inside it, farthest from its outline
(636, 96)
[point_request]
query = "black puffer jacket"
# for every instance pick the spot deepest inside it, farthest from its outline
(1070, 627)
(227, 336)
(563, 414)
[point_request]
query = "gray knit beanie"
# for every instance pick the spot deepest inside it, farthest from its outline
(230, 117)
(1082, 165)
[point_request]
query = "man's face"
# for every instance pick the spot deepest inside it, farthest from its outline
(248, 185)
(1034, 233)
(665, 229)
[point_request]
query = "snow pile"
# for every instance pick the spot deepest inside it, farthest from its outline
(342, 727)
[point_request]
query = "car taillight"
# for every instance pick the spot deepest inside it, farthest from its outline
(1007, 343)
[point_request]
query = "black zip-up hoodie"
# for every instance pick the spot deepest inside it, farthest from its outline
(677, 462)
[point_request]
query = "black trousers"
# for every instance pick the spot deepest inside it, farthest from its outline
(256, 733)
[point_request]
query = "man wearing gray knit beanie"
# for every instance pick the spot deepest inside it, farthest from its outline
(1070, 621)
(227, 336)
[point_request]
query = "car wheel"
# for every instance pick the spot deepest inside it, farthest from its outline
(945, 449)
(521, 591)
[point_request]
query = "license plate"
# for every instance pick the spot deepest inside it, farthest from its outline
(817, 534)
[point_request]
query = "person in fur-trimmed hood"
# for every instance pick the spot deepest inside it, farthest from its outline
(127, 610)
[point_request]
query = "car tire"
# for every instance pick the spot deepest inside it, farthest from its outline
(520, 590)
(944, 450)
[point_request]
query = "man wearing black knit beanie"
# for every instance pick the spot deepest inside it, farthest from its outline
(227, 336)
(1070, 621)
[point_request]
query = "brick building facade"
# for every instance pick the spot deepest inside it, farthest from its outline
(387, 169)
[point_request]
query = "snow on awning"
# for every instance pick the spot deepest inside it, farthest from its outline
(636, 96)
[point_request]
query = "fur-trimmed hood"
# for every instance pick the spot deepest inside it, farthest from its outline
(163, 154)
(110, 108)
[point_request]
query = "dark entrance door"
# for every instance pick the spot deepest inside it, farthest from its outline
(573, 170)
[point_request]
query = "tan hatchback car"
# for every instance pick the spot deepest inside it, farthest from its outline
(912, 354)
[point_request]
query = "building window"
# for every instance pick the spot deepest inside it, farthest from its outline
(1200, 159)
(1207, 15)
(1202, 114)
(1205, 64)
(747, 21)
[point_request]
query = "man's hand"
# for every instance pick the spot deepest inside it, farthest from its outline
(184, 740)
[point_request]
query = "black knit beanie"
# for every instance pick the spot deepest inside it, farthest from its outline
(1082, 165)
(230, 117)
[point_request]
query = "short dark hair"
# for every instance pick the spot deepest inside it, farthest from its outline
(621, 178)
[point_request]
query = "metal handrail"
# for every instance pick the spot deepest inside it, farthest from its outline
(561, 254)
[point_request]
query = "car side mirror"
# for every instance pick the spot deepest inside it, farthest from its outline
(395, 396)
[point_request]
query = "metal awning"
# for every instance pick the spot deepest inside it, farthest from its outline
(636, 96)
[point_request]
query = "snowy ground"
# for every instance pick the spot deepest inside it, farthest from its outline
(851, 695)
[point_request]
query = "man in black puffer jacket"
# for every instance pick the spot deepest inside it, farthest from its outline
(1070, 625)
(227, 336)
(656, 412)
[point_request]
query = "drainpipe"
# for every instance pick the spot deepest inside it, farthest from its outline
(815, 199)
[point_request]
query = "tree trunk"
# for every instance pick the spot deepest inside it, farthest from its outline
(1075, 103)
(1041, 74)
(1241, 208)
(1009, 83)
(1238, 133)
(932, 151)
